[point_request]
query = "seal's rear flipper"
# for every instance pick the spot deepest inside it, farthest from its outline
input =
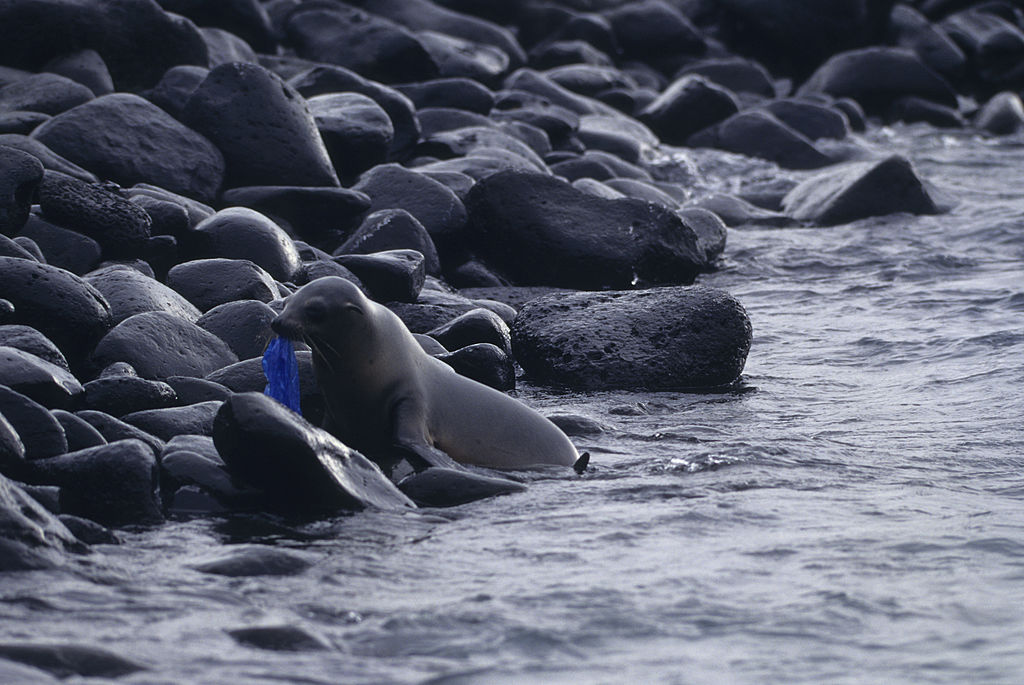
(581, 464)
(422, 456)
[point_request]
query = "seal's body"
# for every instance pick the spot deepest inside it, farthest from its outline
(383, 391)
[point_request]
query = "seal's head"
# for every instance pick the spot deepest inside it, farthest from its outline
(323, 313)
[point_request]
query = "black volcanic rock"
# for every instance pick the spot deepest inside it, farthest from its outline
(40, 433)
(20, 175)
(243, 233)
(207, 283)
(30, 536)
(130, 292)
(46, 383)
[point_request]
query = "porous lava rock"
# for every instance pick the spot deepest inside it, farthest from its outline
(659, 339)
(46, 383)
(20, 174)
(243, 233)
(207, 283)
(243, 324)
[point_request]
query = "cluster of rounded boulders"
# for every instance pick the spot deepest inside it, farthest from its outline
(172, 170)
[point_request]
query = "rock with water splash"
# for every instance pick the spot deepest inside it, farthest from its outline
(659, 339)
(297, 465)
(858, 190)
(30, 536)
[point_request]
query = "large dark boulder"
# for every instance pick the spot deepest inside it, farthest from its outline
(118, 395)
(61, 247)
(130, 292)
(392, 229)
(30, 536)
(262, 126)
(123, 138)
(160, 345)
(368, 44)
(113, 484)
(244, 325)
(660, 339)
(60, 305)
(207, 283)
(32, 341)
(539, 230)
(878, 76)
(20, 174)
(46, 383)
(137, 40)
(356, 130)
(313, 214)
(299, 467)
(39, 432)
(46, 93)
(760, 134)
(434, 205)
(166, 423)
(858, 190)
(690, 104)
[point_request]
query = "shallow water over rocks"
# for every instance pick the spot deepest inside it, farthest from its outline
(851, 513)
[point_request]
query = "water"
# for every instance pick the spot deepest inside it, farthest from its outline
(854, 514)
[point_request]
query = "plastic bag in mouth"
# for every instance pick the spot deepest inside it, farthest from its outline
(282, 371)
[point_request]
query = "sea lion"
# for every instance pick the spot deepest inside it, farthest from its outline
(382, 391)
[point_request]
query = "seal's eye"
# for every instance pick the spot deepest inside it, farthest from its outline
(315, 312)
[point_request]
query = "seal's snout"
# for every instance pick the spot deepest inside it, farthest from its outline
(284, 329)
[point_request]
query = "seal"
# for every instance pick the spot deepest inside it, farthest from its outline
(383, 392)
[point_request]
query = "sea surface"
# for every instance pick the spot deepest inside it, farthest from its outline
(852, 512)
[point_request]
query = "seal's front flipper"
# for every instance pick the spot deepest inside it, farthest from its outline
(422, 456)
(581, 464)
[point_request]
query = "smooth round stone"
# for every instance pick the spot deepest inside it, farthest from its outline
(32, 341)
(253, 560)
(39, 380)
(434, 205)
(392, 229)
(475, 326)
(61, 247)
(33, 538)
(49, 159)
(166, 423)
(194, 390)
(128, 140)
(113, 429)
(46, 93)
(40, 433)
(483, 362)
(120, 395)
(313, 214)
(759, 134)
(243, 233)
(130, 292)
(207, 283)
(244, 325)
(176, 87)
(78, 432)
(394, 275)
(20, 175)
(86, 67)
(462, 93)
(224, 47)
(356, 131)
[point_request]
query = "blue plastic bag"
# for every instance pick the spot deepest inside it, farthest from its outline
(282, 372)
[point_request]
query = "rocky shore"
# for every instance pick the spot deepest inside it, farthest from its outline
(503, 176)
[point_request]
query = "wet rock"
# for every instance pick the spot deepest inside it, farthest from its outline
(710, 231)
(244, 325)
(434, 205)
(878, 76)
(12, 449)
(30, 536)
(247, 376)
(253, 433)
(66, 660)
(29, 246)
(20, 175)
(653, 30)
(14, 248)
(913, 109)
(160, 345)
(1002, 115)
(434, 120)
(89, 532)
(48, 384)
(193, 390)
(126, 139)
(137, 40)
(556, 53)
(21, 122)
(575, 425)
(587, 79)
(475, 326)
(539, 230)
(616, 135)
(245, 18)
(333, 79)
(661, 339)
(120, 395)
(484, 363)
(46, 93)
(32, 341)
(176, 87)
(197, 211)
(424, 16)
(130, 292)
(241, 233)
(540, 85)
(315, 214)
(85, 67)
(62, 248)
(117, 224)
(391, 276)
(224, 47)
(58, 304)
(908, 28)
(810, 119)
(185, 469)
(994, 46)
(194, 419)
(356, 131)
(80, 435)
(392, 229)
(39, 432)
(207, 283)
(253, 560)
(458, 58)
(440, 487)
(858, 190)
(759, 134)
(49, 159)
(279, 639)
(365, 43)
(466, 141)
(262, 126)
(113, 430)
(735, 74)
(112, 484)
(459, 93)
(557, 121)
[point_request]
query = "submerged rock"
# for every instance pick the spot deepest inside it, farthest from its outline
(298, 466)
(66, 660)
(659, 339)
